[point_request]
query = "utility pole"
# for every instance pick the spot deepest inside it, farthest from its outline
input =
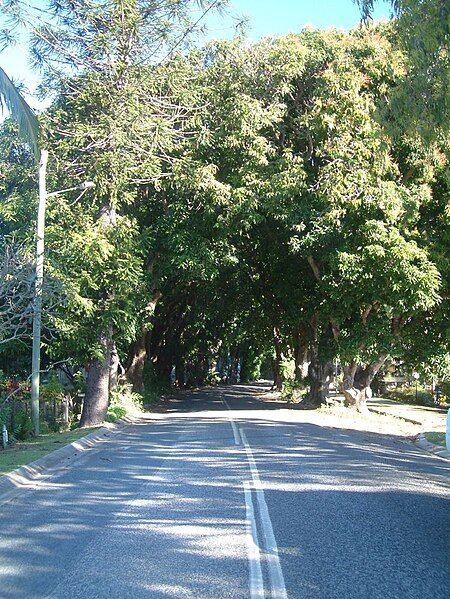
(37, 307)
(39, 282)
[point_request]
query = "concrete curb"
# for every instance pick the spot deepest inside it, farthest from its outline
(438, 450)
(377, 411)
(12, 483)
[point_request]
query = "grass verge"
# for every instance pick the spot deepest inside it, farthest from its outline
(436, 438)
(28, 451)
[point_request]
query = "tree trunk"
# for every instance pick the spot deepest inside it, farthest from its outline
(301, 362)
(320, 376)
(234, 366)
(276, 363)
(113, 368)
(135, 370)
(301, 353)
(139, 350)
(357, 381)
(319, 373)
(95, 403)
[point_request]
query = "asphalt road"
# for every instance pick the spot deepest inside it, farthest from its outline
(222, 496)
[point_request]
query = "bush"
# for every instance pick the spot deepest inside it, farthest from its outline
(23, 426)
(212, 378)
(19, 425)
(114, 413)
(445, 391)
(408, 395)
(123, 401)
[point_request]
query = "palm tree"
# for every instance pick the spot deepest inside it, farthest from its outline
(12, 101)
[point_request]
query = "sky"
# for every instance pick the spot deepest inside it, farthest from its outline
(265, 18)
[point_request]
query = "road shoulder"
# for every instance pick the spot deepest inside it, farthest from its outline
(25, 477)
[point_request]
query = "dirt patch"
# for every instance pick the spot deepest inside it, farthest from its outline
(338, 416)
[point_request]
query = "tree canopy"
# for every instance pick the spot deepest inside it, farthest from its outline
(256, 206)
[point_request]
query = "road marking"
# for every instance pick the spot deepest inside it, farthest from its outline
(237, 439)
(253, 554)
(271, 548)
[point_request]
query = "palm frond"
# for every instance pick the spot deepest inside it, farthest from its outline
(12, 101)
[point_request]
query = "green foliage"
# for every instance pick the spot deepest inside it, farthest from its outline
(408, 395)
(12, 101)
(19, 425)
(445, 391)
(23, 427)
(252, 364)
(114, 413)
(422, 102)
(53, 390)
(245, 194)
(123, 402)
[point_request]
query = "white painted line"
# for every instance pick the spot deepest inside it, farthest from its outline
(237, 439)
(277, 584)
(253, 554)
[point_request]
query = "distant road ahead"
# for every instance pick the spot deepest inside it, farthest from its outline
(223, 496)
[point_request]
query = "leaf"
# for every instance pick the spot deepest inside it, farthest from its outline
(12, 101)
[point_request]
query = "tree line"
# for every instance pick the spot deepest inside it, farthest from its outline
(280, 201)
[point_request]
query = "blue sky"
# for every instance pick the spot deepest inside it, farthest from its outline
(265, 17)
(276, 17)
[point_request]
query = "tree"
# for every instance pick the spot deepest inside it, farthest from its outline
(301, 151)
(250, 204)
(421, 102)
(17, 281)
(113, 121)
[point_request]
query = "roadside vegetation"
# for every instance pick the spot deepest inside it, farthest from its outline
(25, 452)
(437, 438)
(269, 209)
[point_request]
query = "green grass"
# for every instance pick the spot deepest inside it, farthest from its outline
(25, 452)
(436, 438)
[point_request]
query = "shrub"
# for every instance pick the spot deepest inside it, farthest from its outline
(114, 413)
(23, 426)
(445, 391)
(123, 401)
(212, 378)
(408, 395)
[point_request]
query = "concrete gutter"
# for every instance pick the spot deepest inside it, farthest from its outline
(25, 477)
(438, 450)
(383, 413)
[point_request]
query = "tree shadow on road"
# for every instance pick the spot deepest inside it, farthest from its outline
(159, 512)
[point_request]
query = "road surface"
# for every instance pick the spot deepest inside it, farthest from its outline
(222, 496)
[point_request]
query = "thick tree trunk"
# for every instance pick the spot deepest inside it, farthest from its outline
(319, 373)
(135, 371)
(301, 363)
(139, 350)
(277, 378)
(320, 376)
(95, 403)
(357, 381)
